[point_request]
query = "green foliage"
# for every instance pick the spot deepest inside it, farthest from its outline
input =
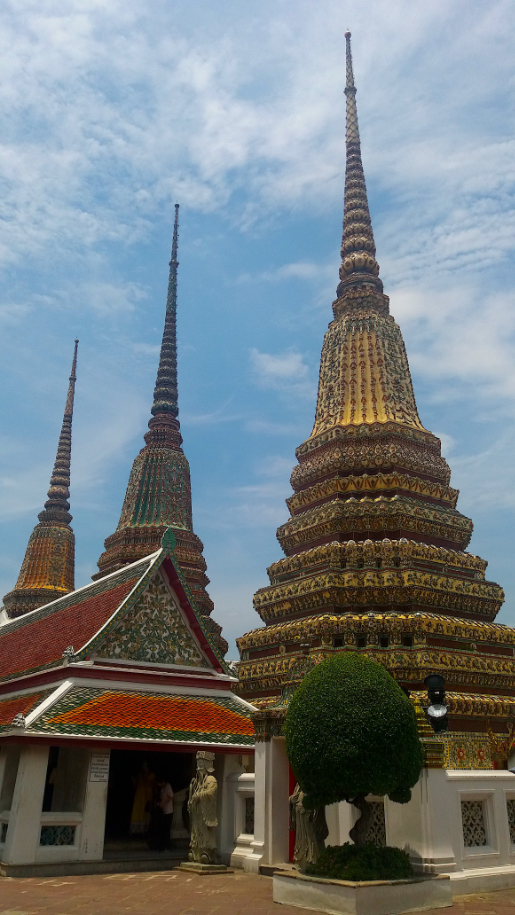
(351, 730)
(362, 862)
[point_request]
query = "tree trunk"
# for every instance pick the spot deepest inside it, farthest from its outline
(361, 826)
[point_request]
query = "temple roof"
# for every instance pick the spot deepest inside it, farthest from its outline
(78, 711)
(113, 618)
(132, 714)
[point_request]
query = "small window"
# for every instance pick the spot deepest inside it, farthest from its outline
(338, 642)
(384, 641)
(407, 641)
(379, 563)
(397, 563)
(360, 564)
(361, 641)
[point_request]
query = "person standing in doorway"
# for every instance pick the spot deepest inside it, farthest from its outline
(164, 814)
(142, 804)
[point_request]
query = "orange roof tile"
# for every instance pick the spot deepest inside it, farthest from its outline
(166, 713)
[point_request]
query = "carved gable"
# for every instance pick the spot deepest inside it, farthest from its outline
(153, 630)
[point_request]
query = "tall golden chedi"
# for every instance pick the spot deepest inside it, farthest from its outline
(159, 492)
(48, 568)
(375, 548)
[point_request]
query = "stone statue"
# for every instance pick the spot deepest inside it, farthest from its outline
(202, 809)
(310, 829)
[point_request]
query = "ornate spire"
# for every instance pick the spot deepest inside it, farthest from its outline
(165, 391)
(359, 265)
(57, 506)
(158, 496)
(374, 546)
(47, 570)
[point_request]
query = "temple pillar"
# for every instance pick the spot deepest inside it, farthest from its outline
(271, 817)
(22, 840)
(95, 805)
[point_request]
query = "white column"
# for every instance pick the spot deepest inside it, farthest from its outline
(227, 767)
(277, 803)
(95, 804)
(22, 842)
(259, 846)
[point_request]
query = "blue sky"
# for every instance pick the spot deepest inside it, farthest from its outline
(110, 113)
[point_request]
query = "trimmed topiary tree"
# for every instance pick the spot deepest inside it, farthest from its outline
(351, 731)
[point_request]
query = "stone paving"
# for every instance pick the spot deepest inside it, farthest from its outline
(175, 893)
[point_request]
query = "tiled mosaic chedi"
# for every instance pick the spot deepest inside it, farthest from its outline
(375, 546)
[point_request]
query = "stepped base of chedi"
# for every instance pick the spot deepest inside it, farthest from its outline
(375, 548)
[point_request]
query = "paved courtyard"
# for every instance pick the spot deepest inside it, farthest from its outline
(175, 893)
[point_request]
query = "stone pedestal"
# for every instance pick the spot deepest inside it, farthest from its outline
(197, 868)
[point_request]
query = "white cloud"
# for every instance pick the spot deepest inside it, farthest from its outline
(285, 372)
(463, 339)
(109, 113)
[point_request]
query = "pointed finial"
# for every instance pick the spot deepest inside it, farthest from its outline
(359, 266)
(68, 410)
(57, 506)
(165, 391)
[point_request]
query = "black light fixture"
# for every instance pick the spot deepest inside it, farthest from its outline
(437, 711)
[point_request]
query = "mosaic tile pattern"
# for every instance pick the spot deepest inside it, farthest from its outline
(466, 751)
(153, 630)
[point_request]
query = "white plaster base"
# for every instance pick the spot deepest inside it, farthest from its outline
(482, 880)
(378, 897)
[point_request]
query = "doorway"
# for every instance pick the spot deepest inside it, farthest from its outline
(132, 814)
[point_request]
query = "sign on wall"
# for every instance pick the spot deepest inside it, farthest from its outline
(99, 768)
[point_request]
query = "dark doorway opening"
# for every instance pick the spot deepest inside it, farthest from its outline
(132, 801)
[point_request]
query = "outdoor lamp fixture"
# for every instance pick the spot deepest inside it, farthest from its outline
(437, 711)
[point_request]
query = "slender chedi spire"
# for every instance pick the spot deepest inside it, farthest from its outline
(165, 391)
(375, 385)
(159, 492)
(358, 247)
(47, 570)
(374, 546)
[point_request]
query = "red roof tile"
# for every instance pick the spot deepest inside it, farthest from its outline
(11, 707)
(42, 639)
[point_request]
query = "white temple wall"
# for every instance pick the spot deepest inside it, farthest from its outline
(458, 822)
(73, 829)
